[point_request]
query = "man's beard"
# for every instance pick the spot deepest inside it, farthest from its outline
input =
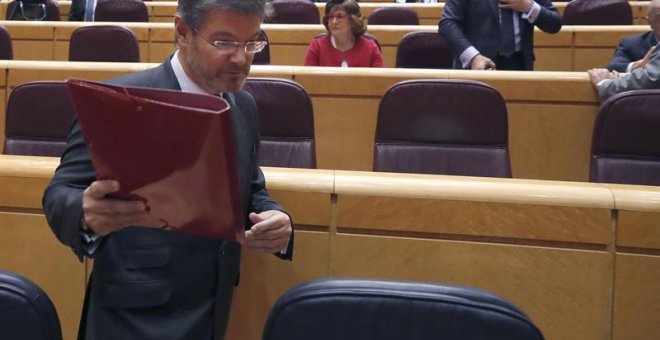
(213, 84)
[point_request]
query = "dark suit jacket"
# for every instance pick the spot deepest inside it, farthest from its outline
(150, 283)
(475, 23)
(631, 49)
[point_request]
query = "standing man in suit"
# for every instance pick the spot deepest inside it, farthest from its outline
(496, 34)
(645, 76)
(82, 10)
(634, 49)
(150, 283)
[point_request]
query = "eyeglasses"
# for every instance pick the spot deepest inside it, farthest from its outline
(338, 17)
(229, 47)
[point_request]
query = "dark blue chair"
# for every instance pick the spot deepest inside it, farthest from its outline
(26, 312)
(333, 309)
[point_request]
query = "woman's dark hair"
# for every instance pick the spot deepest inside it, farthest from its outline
(351, 7)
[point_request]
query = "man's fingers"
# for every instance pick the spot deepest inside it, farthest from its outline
(269, 246)
(113, 206)
(98, 189)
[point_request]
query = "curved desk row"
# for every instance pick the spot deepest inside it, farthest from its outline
(429, 14)
(574, 48)
(551, 114)
(583, 260)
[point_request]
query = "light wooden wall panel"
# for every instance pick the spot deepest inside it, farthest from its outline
(552, 248)
(565, 292)
(28, 247)
(636, 304)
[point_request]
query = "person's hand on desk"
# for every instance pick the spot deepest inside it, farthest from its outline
(599, 74)
(479, 62)
(104, 215)
(270, 233)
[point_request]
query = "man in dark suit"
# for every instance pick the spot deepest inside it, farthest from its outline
(496, 34)
(632, 50)
(150, 283)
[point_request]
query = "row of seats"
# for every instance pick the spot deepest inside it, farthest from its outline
(114, 43)
(423, 126)
(577, 12)
(108, 10)
(323, 309)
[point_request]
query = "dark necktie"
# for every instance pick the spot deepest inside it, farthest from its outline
(508, 42)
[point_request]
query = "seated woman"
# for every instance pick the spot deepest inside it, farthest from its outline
(344, 44)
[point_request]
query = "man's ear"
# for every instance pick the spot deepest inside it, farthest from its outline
(182, 32)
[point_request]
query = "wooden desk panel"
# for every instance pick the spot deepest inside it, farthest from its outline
(565, 292)
(636, 302)
(547, 246)
(264, 278)
(29, 248)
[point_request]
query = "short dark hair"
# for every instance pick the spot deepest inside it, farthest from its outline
(194, 12)
(351, 7)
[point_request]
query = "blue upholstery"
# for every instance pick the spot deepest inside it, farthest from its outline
(26, 312)
(384, 310)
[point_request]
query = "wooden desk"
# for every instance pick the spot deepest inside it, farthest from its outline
(551, 114)
(569, 254)
(574, 48)
(429, 14)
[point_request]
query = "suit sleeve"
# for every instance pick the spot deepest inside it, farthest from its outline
(549, 20)
(62, 200)
(621, 58)
(451, 26)
(260, 199)
(642, 78)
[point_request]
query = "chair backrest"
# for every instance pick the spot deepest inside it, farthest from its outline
(393, 16)
(263, 57)
(286, 120)
(39, 116)
(626, 139)
(6, 51)
(598, 12)
(387, 310)
(27, 312)
(294, 12)
(449, 127)
(423, 50)
(49, 10)
(110, 43)
(121, 10)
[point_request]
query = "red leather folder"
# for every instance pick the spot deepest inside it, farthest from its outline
(173, 150)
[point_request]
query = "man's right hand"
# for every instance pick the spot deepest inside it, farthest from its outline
(105, 215)
(479, 62)
(642, 62)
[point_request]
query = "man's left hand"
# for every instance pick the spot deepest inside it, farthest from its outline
(598, 74)
(270, 233)
(517, 5)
